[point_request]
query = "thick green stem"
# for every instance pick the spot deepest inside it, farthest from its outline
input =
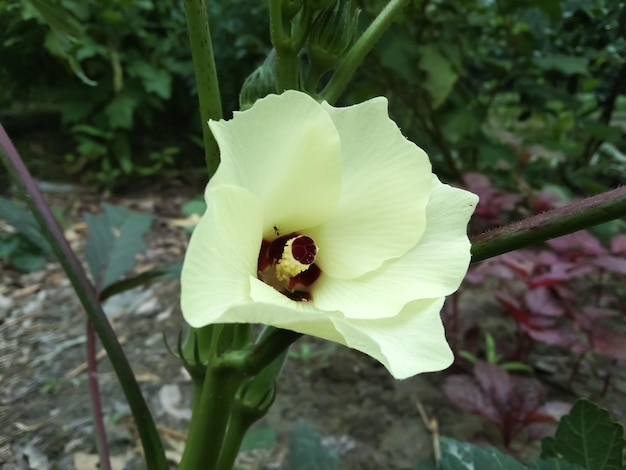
(555, 223)
(287, 63)
(150, 439)
(209, 419)
(218, 419)
(206, 76)
(287, 70)
(359, 50)
(237, 429)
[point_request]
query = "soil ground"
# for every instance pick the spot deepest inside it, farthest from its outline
(349, 399)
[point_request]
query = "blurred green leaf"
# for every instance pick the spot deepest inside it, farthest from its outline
(457, 455)
(24, 223)
(565, 64)
(120, 111)
(258, 438)
(306, 451)
(554, 464)
(28, 261)
(155, 80)
(440, 76)
(195, 206)
(115, 237)
(57, 17)
(21, 253)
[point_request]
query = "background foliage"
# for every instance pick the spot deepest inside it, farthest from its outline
(528, 86)
(118, 74)
(523, 89)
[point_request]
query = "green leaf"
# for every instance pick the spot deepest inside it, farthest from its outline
(115, 237)
(601, 130)
(514, 365)
(195, 206)
(119, 112)
(565, 64)
(554, 464)
(465, 456)
(155, 80)
(145, 278)
(306, 451)
(457, 455)
(440, 76)
(24, 223)
(58, 18)
(469, 356)
(259, 438)
(398, 55)
(61, 46)
(588, 437)
(25, 261)
(9, 245)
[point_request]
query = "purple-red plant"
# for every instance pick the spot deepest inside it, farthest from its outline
(562, 301)
(510, 402)
(557, 295)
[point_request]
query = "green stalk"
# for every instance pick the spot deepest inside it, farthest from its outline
(287, 69)
(150, 439)
(555, 223)
(209, 418)
(237, 428)
(206, 76)
(342, 76)
(287, 66)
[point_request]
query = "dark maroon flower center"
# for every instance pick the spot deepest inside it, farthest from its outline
(287, 263)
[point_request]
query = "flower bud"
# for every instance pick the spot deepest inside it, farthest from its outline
(259, 83)
(332, 33)
(256, 396)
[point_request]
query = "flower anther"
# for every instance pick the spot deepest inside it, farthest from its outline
(299, 253)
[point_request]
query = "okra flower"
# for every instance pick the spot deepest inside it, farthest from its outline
(328, 222)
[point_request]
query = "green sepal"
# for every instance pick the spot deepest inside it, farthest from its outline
(332, 34)
(259, 83)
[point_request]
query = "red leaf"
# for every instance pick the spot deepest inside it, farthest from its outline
(609, 343)
(495, 381)
(611, 263)
(512, 305)
(598, 313)
(464, 392)
(559, 273)
(579, 242)
(558, 337)
(511, 402)
(618, 243)
(543, 302)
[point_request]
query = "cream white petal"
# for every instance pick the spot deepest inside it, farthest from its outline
(222, 255)
(435, 267)
(410, 343)
(385, 188)
(269, 307)
(286, 151)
